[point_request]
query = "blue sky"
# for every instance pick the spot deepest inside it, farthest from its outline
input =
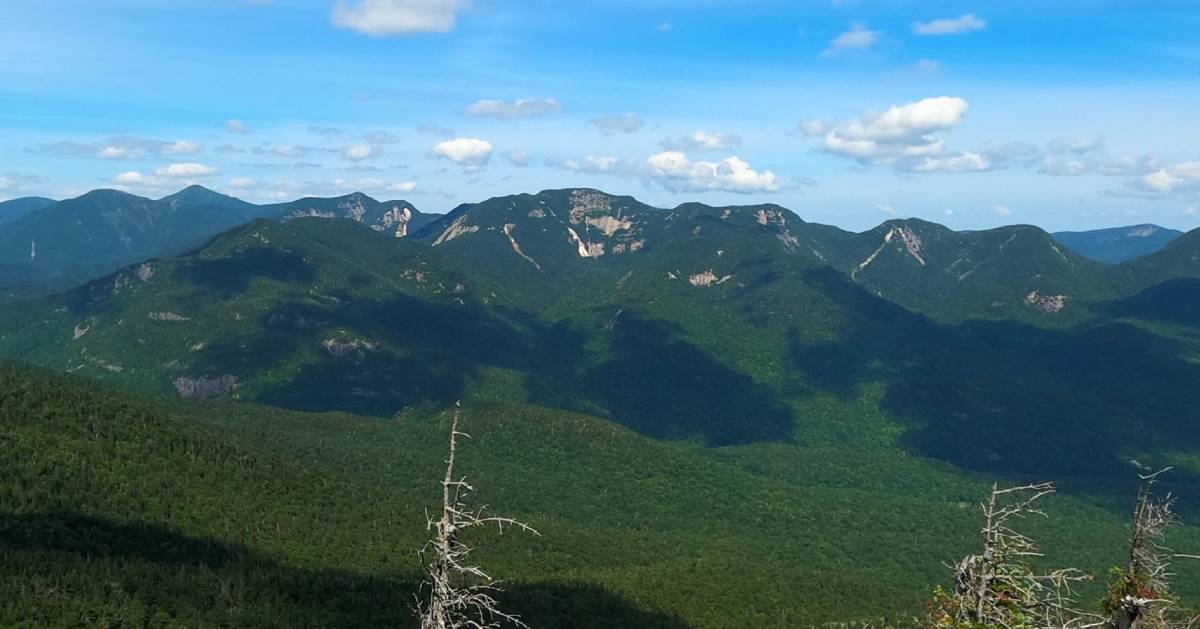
(1068, 114)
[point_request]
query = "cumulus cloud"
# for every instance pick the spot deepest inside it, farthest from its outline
(470, 152)
(185, 170)
(360, 152)
(1001, 210)
(618, 124)
(950, 26)
(509, 109)
(130, 178)
(858, 37)
(676, 172)
(397, 17)
(902, 136)
(1180, 177)
(703, 141)
(236, 126)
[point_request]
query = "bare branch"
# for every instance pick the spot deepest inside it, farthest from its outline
(460, 594)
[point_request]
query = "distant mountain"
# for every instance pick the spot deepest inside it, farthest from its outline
(1118, 244)
(14, 209)
(1179, 259)
(1017, 271)
(397, 218)
(61, 244)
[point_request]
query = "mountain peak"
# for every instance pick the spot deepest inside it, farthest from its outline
(196, 193)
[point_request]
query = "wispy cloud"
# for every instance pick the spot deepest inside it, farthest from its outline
(857, 38)
(509, 109)
(397, 17)
(617, 124)
(950, 26)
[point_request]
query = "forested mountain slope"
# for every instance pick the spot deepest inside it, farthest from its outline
(127, 511)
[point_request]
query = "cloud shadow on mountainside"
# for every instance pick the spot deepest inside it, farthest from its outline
(413, 352)
(653, 381)
(1012, 398)
(232, 275)
(165, 573)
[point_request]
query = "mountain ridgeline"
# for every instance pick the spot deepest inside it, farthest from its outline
(47, 245)
(1118, 244)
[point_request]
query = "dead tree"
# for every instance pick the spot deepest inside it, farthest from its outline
(998, 587)
(1140, 596)
(460, 594)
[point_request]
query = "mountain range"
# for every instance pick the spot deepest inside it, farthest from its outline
(657, 381)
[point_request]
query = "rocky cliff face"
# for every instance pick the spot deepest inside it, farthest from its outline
(397, 218)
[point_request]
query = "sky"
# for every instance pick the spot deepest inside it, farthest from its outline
(1069, 114)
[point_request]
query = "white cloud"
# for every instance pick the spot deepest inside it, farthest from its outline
(1001, 210)
(182, 147)
(858, 37)
(1071, 157)
(906, 122)
(902, 135)
(471, 152)
(372, 184)
(242, 183)
(130, 178)
(664, 26)
(360, 152)
(236, 126)
(884, 208)
(508, 109)
(187, 169)
(116, 152)
(1192, 211)
(396, 17)
(122, 147)
(622, 123)
(674, 171)
(1184, 176)
(518, 158)
(950, 26)
(965, 162)
(599, 164)
(402, 186)
(703, 141)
